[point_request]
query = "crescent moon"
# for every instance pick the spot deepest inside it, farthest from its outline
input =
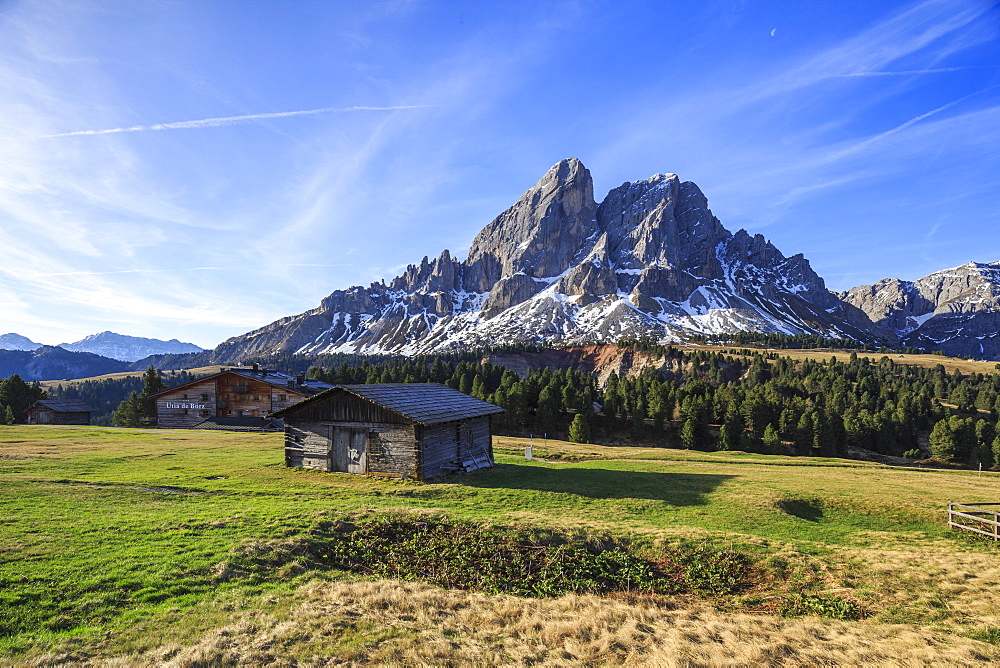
(773, 30)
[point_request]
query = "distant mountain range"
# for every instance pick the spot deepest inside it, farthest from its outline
(108, 344)
(650, 260)
(128, 348)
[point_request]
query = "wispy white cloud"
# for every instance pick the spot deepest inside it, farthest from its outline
(219, 121)
(172, 270)
(903, 73)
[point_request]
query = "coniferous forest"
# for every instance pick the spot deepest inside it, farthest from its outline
(742, 399)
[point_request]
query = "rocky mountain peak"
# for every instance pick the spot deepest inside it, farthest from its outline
(12, 341)
(650, 260)
(955, 310)
(538, 235)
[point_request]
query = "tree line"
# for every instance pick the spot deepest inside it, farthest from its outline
(743, 399)
(16, 396)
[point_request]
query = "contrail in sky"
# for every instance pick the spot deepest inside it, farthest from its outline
(162, 271)
(222, 120)
(903, 72)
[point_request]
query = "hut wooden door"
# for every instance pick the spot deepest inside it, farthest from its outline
(349, 449)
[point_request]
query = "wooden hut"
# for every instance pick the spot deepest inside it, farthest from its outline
(234, 398)
(57, 411)
(417, 430)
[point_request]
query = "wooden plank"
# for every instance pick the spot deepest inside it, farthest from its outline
(341, 440)
(371, 426)
(357, 452)
(969, 528)
(975, 508)
(981, 520)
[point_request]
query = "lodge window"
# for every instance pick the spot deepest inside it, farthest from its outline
(204, 397)
(204, 413)
(256, 397)
(282, 397)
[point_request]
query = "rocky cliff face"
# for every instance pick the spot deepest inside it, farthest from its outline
(649, 261)
(955, 310)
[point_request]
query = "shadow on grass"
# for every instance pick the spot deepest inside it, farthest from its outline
(679, 489)
(804, 509)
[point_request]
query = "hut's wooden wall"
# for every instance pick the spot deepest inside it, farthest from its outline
(478, 438)
(187, 406)
(49, 416)
(444, 447)
(440, 449)
(394, 452)
(391, 448)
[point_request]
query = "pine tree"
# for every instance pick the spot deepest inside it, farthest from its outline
(6, 415)
(772, 442)
(478, 388)
(731, 431)
(547, 417)
(579, 429)
(689, 434)
(942, 445)
(804, 431)
(129, 412)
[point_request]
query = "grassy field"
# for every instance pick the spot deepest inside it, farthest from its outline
(123, 547)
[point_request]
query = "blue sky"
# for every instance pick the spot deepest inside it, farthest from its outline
(199, 169)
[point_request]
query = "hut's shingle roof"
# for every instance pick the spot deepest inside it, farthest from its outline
(64, 405)
(238, 423)
(426, 403)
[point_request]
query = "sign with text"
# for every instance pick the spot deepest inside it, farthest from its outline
(173, 404)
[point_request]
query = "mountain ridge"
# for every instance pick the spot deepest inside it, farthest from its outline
(955, 310)
(649, 260)
(128, 348)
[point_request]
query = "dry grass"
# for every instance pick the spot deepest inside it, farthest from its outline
(842, 354)
(407, 623)
(202, 370)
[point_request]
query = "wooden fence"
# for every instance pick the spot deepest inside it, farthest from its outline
(974, 517)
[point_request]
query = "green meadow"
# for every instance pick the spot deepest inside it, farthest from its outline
(114, 543)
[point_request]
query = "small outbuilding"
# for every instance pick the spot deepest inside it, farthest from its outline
(417, 430)
(59, 411)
